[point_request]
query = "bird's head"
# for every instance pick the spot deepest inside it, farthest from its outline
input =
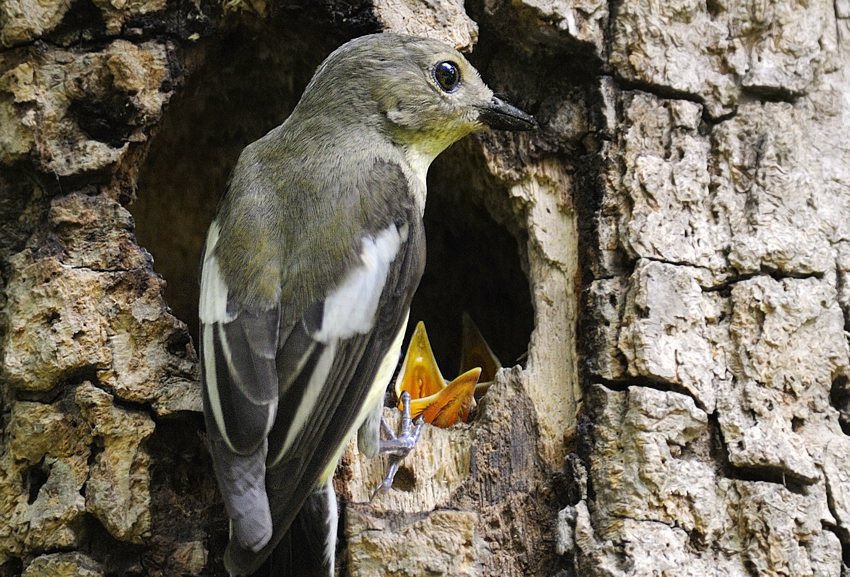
(422, 93)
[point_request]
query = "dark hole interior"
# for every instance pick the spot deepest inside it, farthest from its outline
(839, 397)
(473, 266)
(35, 477)
(247, 85)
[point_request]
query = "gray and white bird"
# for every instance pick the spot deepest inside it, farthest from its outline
(308, 273)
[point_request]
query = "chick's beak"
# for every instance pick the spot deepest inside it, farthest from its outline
(500, 115)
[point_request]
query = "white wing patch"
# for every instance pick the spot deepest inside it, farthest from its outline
(212, 307)
(350, 309)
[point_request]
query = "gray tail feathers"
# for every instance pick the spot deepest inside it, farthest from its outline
(308, 548)
(241, 479)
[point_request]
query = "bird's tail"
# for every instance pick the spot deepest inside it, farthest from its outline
(308, 549)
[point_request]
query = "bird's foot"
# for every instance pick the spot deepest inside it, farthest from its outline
(397, 446)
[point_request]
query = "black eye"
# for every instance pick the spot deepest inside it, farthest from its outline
(447, 75)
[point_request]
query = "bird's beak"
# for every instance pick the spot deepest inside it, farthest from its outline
(500, 115)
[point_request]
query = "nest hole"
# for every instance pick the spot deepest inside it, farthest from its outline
(474, 264)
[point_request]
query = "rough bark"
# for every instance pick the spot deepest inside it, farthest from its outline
(665, 262)
(717, 356)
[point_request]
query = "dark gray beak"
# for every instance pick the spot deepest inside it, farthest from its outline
(500, 115)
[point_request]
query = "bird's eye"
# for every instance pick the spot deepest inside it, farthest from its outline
(447, 75)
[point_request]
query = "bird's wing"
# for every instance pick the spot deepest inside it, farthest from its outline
(240, 393)
(342, 345)
(240, 349)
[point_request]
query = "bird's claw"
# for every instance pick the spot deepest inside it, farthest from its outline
(397, 446)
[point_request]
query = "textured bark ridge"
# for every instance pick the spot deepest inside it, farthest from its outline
(663, 269)
(714, 317)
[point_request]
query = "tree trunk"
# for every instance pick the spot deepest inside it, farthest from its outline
(662, 269)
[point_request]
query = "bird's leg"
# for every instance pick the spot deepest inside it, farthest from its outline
(397, 446)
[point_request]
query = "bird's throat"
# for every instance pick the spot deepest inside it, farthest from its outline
(419, 159)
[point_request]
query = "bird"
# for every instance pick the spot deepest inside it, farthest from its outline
(307, 277)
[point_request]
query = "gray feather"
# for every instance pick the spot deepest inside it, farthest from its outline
(242, 481)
